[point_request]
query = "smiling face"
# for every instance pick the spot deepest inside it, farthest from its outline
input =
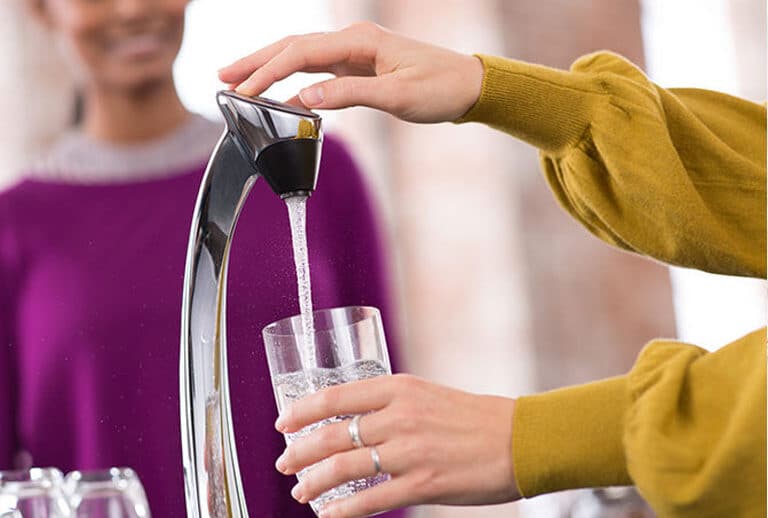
(124, 44)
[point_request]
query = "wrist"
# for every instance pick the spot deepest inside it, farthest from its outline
(502, 419)
(472, 74)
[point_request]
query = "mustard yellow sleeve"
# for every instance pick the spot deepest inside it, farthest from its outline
(677, 175)
(685, 426)
(696, 429)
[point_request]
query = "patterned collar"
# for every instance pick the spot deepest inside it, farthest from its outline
(78, 158)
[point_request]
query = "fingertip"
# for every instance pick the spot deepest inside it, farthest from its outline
(281, 464)
(226, 78)
(285, 421)
(296, 101)
(312, 96)
(280, 425)
(231, 73)
(244, 89)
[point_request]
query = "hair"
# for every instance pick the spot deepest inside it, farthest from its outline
(36, 8)
(78, 108)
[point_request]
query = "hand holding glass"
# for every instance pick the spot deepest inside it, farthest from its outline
(348, 345)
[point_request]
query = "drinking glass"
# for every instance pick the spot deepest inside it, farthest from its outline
(33, 493)
(111, 493)
(347, 345)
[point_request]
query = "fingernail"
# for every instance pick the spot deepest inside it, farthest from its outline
(312, 96)
(280, 464)
(243, 87)
(296, 493)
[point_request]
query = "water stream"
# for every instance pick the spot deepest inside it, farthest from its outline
(297, 212)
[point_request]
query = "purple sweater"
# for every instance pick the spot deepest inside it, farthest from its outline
(90, 306)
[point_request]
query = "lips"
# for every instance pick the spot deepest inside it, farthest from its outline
(137, 46)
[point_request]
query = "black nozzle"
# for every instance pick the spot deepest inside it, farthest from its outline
(290, 167)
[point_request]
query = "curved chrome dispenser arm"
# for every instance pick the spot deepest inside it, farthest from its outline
(282, 143)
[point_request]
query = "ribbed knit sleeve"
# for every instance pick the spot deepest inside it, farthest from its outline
(685, 426)
(677, 175)
(571, 438)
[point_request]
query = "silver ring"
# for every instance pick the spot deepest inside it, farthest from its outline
(376, 460)
(354, 432)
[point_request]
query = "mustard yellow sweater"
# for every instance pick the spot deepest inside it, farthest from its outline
(677, 175)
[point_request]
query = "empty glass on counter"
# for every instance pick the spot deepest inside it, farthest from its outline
(34, 493)
(46, 493)
(112, 493)
(347, 345)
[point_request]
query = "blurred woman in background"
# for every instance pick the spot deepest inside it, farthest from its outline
(92, 253)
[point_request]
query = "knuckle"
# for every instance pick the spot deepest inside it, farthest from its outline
(269, 72)
(336, 467)
(407, 382)
(295, 39)
(346, 87)
(428, 487)
(325, 400)
(399, 379)
(426, 481)
(365, 26)
(297, 52)
(399, 101)
(405, 423)
(296, 45)
(370, 31)
(290, 456)
(325, 436)
(413, 451)
(399, 416)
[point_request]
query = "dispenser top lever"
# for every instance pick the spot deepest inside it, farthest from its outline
(281, 142)
(263, 102)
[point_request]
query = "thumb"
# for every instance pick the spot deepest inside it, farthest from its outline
(343, 92)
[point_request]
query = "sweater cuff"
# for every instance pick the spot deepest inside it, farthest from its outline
(545, 107)
(570, 438)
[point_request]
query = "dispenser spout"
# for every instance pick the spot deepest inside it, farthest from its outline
(282, 143)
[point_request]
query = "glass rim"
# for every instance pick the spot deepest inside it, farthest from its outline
(116, 476)
(271, 329)
(35, 475)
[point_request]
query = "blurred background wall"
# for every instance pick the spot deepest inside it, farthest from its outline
(499, 291)
(36, 88)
